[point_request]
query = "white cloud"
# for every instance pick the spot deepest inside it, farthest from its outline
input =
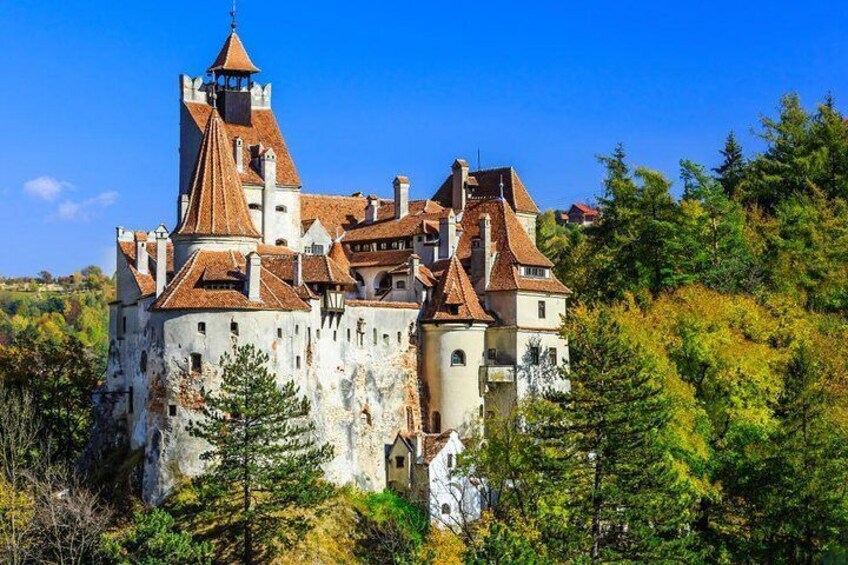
(46, 188)
(70, 210)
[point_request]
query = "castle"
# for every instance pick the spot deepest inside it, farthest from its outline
(405, 322)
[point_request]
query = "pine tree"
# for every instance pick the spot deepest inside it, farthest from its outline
(265, 467)
(731, 172)
(805, 507)
(622, 496)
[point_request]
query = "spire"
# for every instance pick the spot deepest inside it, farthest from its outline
(455, 299)
(233, 58)
(338, 255)
(216, 201)
(234, 23)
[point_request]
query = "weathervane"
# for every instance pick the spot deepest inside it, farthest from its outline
(233, 24)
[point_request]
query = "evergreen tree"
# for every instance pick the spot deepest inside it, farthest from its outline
(624, 498)
(153, 540)
(731, 172)
(712, 230)
(805, 507)
(265, 470)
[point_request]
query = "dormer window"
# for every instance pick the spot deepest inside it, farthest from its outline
(255, 206)
(536, 272)
(453, 309)
(281, 242)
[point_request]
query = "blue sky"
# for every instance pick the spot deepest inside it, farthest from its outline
(364, 91)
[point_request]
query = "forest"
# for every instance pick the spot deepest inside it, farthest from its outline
(706, 420)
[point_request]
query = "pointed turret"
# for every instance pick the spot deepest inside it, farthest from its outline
(216, 202)
(454, 299)
(233, 58)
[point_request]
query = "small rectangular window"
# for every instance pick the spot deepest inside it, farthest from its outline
(196, 362)
(348, 334)
(279, 333)
(172, 410)
(317, 334)
(450, 461)
(534, 354)
(297, 362)
(399, 461)
(552, 356)
(375, 336)
(542, 309)
(400, 284)
(124, 325)
(234, 328)
(492, 354)
(201, 328)
(130, 400)
(400, 338)
(335, 335)
(386, 340)
(296, 329)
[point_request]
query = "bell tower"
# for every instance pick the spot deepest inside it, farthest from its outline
(231, 80)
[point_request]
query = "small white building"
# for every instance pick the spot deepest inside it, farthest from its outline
(392, 315)
(424, 468)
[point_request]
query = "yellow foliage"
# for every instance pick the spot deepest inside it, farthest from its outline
(443, 547)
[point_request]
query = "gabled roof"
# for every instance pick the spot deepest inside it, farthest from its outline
(512, 247)
(316, 269)
(434, 443)
(423, 217)
(263, 129)
(188, 291)
(454, 299)
(584, 208)
(337, 254)
(233, 57)
(216, 201)
(424, 274)
(146, 283)
(485, 184)
(391, 258)
(337, 213)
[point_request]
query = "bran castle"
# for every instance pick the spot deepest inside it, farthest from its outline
(407, 323)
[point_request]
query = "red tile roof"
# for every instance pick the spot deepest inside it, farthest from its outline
(146, 283)
(423, 217)
(263, 130)
(485, 184)
(424, 274)
(316, 269)
(233, 57)
(513, 248)
(216, 200)
(386, 304)
(585, 208)
(337, 254)
(433, 444)
(391, 258)
(187, 290)
(337, 213)
(454, 299)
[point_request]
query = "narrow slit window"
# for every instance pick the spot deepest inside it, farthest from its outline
(234, 329)
(201, 328)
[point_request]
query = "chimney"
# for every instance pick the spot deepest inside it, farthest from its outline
(161, 258)
(254, 275)
(401, 185)
(371, 209)
(481, 255)
(142, 260)
(183, 208)
(414, 264)
(297, 277)
(447, 236)
(460, 182)
(268, 162)
(238, 153)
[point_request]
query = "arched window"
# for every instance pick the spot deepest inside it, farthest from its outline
(282, 242)
(437, 423)
(446, 508)
(458, 358)
(254, 206)
(282, 208)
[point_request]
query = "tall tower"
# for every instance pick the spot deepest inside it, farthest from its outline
(231, 80)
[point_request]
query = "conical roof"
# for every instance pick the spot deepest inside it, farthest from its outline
(338, 255)
(233, 57)
(454, 299)
(216, 201)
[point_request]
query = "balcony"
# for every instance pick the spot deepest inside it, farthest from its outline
(497, 374)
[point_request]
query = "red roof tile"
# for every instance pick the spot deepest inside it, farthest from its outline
(485, 184)
(386, 304)
(233, 57)
(316, 269)
(454, 299)
(263, 130)
(391, 258)
(422, 215)
(337, 254)
(187, 290)
(146, 283)
(216, 200)
(337, 213)
(433, 444)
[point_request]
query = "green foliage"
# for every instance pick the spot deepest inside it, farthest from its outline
(389, 529)
(266, 469)
(153, 540)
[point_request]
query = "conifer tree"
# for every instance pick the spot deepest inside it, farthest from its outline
(624, 498)
(265, 470)
(731, 172)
